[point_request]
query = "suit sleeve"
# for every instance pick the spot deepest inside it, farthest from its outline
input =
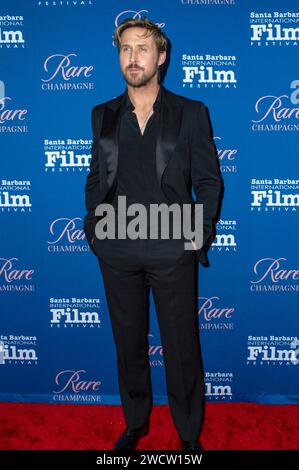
(92, 186)
(205, 174)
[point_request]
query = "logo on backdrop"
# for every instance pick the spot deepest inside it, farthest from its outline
(74, 313)
(274, 275)
(155, 353)
(67, 236)
(67, 155)
(274, 195)
(214, 316)
(218, 386)
(272, 350)
(64, 72)
(12, 120)
(274, 29)
(15, 196)
(225, 239)
(206, 3)
(18, 350)
(11, 36)
(227, 158)
(278, 113)
(74, 386)
(66, 3)
(14, 277)
(209, 71)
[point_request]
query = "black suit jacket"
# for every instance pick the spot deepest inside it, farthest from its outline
(185, 158)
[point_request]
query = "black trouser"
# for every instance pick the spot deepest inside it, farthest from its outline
(128, 267)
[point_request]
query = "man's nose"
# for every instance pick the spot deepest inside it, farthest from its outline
(134, 56)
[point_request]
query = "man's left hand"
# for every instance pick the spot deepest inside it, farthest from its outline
(194, 245)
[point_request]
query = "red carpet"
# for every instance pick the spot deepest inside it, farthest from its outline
(237, 426)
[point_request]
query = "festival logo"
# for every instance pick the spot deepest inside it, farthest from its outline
(218, 386)
(272, 350)
(274, 29)
(11, 34)
(225, 239)
(67, 155)
(75, 387)
(274, 195)
(66, 3)
(18, 350)
(74, 313)
(15, 196)
(209, 71)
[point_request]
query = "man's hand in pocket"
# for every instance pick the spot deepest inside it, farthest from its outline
(194, 245)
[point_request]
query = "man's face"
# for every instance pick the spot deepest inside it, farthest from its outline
(139, 57)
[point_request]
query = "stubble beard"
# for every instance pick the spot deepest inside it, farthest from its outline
(139, 80)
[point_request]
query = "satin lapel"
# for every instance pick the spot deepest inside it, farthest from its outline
(169, 131)
(109, 141)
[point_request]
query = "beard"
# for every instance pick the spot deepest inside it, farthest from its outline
(140, 78)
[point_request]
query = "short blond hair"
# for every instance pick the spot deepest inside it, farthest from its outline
(151, 30)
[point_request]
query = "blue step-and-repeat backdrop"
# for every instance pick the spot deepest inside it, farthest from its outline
(58, 60)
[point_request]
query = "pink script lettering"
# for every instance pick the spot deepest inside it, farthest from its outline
(62, 65)
(10, 274)
(71, 378)
(275, 108)
(68, 228)
(270, 268)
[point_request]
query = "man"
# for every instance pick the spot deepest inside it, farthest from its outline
(151, 146)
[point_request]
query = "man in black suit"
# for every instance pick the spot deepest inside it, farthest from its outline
(152, 146)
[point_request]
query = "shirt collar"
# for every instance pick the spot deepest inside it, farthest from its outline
(128, 104)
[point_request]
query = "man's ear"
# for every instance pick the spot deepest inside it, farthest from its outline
(162, 58)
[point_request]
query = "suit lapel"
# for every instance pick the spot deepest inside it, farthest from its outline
(109, 141)
(168, 132)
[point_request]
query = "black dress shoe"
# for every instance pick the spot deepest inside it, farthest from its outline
(129, 438)
(192, 445)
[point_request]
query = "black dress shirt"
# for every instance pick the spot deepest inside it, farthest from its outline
(136, 174)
